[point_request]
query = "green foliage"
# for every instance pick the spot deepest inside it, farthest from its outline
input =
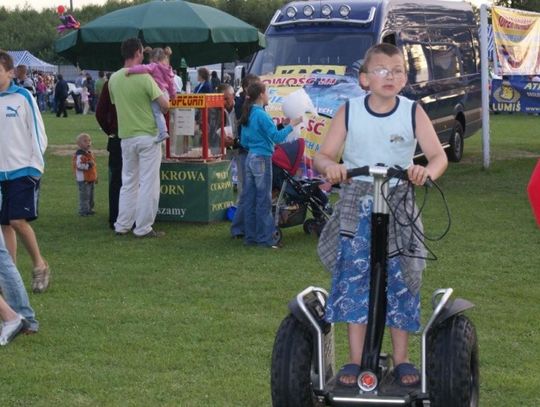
(530, 5)
(251, 10)
(26, 29)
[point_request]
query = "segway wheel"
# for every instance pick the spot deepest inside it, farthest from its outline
(291, 369)
(453, 374)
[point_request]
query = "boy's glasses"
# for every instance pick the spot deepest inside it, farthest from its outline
(384, 72)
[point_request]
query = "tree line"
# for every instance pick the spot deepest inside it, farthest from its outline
(28, 29)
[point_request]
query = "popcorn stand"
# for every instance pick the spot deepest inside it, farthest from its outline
(196, 181)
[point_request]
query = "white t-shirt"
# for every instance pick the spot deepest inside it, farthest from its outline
(178, 83)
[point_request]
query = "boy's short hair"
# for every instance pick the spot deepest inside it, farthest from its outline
(130, 47)
(382, 48)
(82, 136)
(6, 61)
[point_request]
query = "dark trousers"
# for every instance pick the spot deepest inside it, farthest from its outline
(77, 104)
(86, 198)
(115, 177)
(61, 107)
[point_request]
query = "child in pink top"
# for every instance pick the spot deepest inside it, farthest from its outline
(160, 69)
(84, 99)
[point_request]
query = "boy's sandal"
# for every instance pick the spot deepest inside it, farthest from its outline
(350, 370)
(406, 369)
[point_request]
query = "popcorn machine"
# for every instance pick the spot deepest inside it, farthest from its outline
(195, 177)
(196, 128)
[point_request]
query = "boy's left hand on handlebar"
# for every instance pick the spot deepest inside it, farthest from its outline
(418, 174)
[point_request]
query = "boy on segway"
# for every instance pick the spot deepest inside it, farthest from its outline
(380, 127)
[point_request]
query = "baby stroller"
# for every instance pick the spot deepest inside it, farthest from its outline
(296, 196)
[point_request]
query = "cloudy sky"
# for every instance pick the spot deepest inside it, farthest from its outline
(41, 4)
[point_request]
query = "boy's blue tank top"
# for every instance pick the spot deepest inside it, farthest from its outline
(374, 138)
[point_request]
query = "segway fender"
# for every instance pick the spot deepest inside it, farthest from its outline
(453, 307)
(315, 308)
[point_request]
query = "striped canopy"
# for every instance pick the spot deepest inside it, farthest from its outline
(32, 62)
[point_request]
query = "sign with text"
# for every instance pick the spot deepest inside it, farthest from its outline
(197, 101)
(309, 69)
(518, 94)
(517, 41)
(195, 192)
(327, 93)
(184, 122)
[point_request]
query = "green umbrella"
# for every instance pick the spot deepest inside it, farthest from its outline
(199, 34)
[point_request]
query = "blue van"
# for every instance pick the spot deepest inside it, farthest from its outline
(439, 40)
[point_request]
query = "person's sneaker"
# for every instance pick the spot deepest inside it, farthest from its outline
(40, 278)
(11, 329)
(122, 233)
(152, 233)
(161, 137)
(28, 330)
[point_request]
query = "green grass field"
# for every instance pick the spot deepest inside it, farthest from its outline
(190, 319)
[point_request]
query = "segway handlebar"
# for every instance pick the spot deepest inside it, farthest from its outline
(382, 170)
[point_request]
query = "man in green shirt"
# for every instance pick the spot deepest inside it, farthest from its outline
(141, 157)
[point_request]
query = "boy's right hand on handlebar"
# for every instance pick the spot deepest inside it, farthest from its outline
(335, 173)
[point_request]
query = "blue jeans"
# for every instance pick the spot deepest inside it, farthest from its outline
(42, 101)
(258, 221)
(13, 289)
(86, 197)
(237, 226)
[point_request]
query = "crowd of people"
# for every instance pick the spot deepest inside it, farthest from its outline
(51, 91)
(130, 111)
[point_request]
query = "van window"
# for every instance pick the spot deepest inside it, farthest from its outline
(464, 41)
(417, 55)
(476, 46)
(445, 61)
(321, 48)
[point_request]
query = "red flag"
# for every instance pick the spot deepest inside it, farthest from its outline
(533, 189)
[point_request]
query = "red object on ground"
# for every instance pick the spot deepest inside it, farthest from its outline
(533, 189)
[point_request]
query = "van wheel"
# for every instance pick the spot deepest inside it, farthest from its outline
(292, 366)
(452, 366)
(455, 151)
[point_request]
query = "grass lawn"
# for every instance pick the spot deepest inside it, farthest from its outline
(190, 319)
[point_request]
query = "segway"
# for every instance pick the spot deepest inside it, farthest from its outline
(303, 365)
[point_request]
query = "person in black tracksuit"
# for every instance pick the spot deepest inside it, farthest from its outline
(61, 91)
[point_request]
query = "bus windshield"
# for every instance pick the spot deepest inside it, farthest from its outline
(342, 49)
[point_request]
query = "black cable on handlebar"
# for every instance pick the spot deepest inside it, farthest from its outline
(410, 214)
